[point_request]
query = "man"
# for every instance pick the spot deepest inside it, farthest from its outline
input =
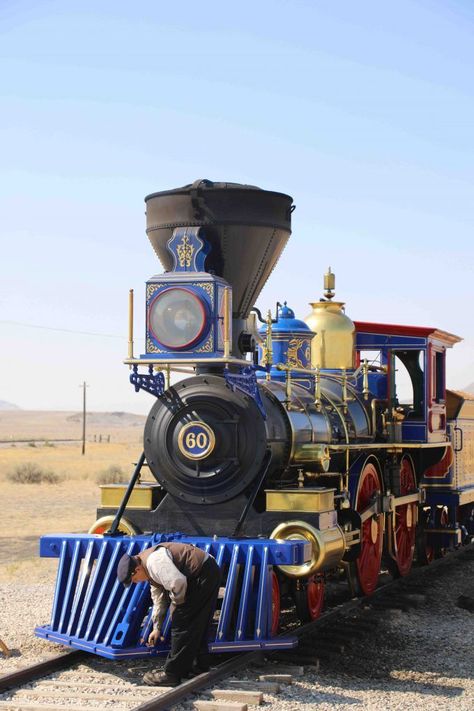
(188, 578)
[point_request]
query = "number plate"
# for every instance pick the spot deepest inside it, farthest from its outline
(196, 440)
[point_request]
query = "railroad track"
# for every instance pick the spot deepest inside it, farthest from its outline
(78, 682)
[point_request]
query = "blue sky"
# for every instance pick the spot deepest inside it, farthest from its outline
(363, 112)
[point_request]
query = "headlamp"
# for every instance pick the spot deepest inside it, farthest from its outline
(177, 318)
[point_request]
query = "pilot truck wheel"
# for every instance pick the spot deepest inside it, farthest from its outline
(103, 524)
(309, 598)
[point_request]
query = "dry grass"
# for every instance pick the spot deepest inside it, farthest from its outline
(31, 510)
(68, 463)
(29, 473)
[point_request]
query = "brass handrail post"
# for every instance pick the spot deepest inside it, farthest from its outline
(268, 345)
(365, 379)
(226, 322)
(288, 386)
(344, 389)
(317, 388)
(130, 324)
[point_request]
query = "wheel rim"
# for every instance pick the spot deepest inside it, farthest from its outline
(441, 521)
(275, 604)
(315, 597)
(405, 517)
(425, 550)
(369, 560)
(103, 524)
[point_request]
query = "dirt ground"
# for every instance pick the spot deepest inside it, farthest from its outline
(31, 510)
(31, 424)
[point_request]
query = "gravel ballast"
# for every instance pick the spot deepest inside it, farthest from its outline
(421, 657)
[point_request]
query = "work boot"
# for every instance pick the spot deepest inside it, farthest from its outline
(200, 666)
(204, 661)
(161, 679)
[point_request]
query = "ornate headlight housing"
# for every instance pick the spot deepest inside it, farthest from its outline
(177, 318)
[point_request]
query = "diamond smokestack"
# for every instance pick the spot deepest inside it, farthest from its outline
(246, 227)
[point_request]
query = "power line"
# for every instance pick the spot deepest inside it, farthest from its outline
(64, 330)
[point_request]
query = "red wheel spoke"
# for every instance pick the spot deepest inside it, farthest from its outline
(368, 563)
(404, 534)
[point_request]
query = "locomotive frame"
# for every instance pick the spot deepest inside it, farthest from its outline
(289, 433)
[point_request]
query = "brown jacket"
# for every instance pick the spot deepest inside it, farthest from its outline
(186, 557)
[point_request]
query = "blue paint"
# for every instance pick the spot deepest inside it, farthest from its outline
(153, 383)
(189, 249)
(92, 611)
(245, 380)
(291, 344)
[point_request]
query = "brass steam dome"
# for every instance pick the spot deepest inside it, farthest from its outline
(332, 347)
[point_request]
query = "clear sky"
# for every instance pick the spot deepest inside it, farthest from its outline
(362, 111)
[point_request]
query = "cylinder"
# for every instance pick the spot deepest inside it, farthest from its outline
(327, 547)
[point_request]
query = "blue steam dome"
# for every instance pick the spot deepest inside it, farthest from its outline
(291, 342)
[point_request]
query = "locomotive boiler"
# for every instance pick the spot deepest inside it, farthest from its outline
(291, 449)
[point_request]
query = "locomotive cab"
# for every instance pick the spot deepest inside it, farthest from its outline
(407, 374)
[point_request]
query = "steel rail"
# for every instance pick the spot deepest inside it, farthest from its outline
(23, 676)
(170, 698)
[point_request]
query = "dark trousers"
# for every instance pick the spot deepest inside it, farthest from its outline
(191, 620)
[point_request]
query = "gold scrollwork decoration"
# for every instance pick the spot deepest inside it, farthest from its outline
(294, 345)
(151, 289)
(207, 347)
(151, 348)
(205, 286)
(185, 250)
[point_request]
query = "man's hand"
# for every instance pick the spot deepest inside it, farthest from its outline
(154, 637)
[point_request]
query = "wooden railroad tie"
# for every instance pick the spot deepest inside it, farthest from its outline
(246, 696)
(279, 678)
(269, 687)
(219, 706)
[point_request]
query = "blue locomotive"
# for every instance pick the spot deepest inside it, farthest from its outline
(291, 449)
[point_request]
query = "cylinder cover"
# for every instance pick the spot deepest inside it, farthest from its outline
(328, 547)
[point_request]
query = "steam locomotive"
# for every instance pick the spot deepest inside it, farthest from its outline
(283, 435)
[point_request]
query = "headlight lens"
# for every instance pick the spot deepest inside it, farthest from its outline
(177, 318)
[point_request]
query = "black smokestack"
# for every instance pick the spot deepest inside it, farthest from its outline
(246, 227)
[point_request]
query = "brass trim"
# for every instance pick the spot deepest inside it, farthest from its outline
(226, 323)
(390, 446)
(208, 449)
(303, 500)
(185, 361)
(317, 389)
(443, 531)
(343, 420)
(268, 345)
(124, 526)
(130, 323)
(327, 547)
(111, 496)
(365, 379)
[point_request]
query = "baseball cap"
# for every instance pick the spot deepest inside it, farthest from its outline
(125, 569)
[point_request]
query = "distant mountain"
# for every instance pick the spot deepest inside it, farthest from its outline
(4, 405)
(469, 388)
(111, 419)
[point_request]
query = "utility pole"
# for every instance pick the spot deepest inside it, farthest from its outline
(83, 386)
